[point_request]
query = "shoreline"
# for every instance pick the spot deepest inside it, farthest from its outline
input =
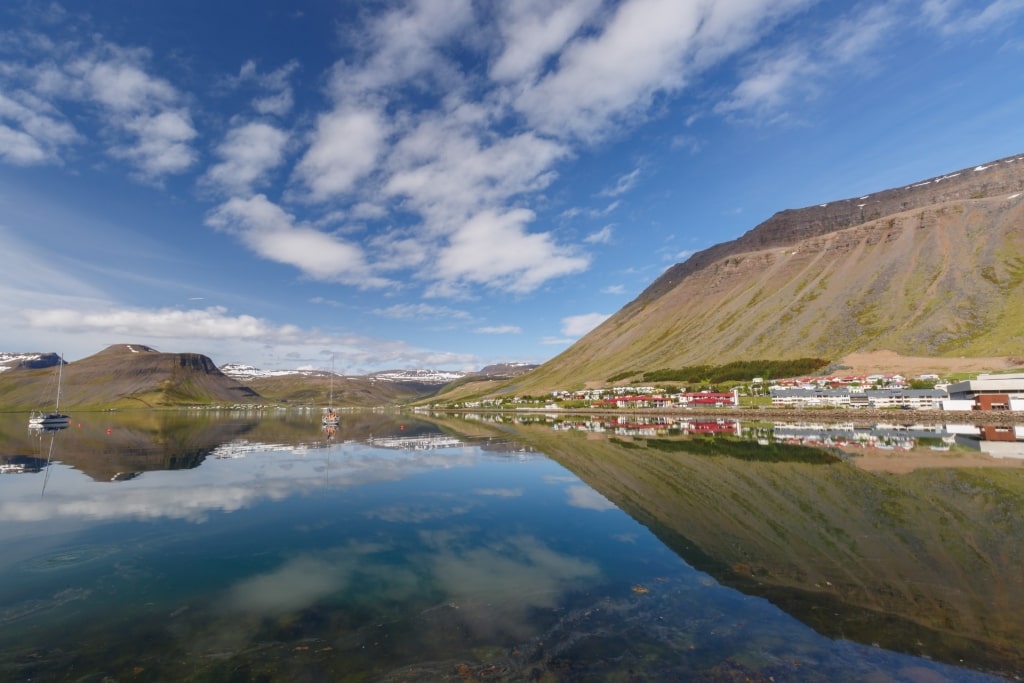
(998, 418)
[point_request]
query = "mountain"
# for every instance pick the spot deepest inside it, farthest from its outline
(135, 375)
(125, 376)
(9, 360)
(506, 370)
(245, 373)
(314, 387)
(434, 378)
(933, 269)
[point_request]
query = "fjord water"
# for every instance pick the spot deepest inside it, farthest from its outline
(176, 546)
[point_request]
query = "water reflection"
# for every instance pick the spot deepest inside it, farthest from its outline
(197, 547)
(928, 561)
(1006, 441)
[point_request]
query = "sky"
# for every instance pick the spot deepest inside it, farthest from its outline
(446, 184)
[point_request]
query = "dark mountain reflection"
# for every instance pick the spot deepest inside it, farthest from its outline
(924, 562)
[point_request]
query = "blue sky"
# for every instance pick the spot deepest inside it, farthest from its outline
(446, 183)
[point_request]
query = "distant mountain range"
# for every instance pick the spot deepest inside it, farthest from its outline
(137, 376)
(933, 269)
(245, 373)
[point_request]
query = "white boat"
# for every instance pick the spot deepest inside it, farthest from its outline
(51, 419)
(331, 417)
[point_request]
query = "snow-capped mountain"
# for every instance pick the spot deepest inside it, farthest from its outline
(248, 372)
(439, 377)
(10, 359)
(245, 373)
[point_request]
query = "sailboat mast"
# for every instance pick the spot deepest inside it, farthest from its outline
(60, 371)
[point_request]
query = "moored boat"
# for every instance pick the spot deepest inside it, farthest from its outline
(55, 418)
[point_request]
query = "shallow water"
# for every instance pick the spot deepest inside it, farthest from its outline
(197, 547)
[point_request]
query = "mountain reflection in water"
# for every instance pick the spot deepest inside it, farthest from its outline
(174, 546)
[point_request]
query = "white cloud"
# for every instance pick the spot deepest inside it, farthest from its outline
(344, 148)
(775, 78)
(206, 323)
(591, 213)
(115, 78)
(153, 130)
(396, 251)
(447, 167)
(613, 289)
(602, 236)
(948, 17)
(493, 249)
(533, 31)
(137, 116)
(556, 341)
(615, 72)
(274, 234)
(248, 151)
(420, 312)
(578, 325)
(624, 184)
(223, 336)
(403, 44)
(35, 133)
(278, 97)
(161, 143)
(771, 82)
(856, 36)
(499, 329)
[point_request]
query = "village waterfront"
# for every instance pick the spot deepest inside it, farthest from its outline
(499, 546)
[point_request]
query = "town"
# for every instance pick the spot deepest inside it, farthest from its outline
(880, 391)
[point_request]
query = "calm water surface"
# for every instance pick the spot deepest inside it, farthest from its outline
(165, 546)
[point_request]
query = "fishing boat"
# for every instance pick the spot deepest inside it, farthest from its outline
(54, 419)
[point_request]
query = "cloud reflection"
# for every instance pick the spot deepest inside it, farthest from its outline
(297, 584)
(496, 588)
(588, 499)
(500, 493)
(224, 485)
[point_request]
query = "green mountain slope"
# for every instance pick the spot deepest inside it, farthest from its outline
(348, 391)
(933, 269)
(124, 376)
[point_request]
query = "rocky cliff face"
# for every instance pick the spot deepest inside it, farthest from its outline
(996, 179)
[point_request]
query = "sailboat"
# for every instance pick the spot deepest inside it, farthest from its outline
(55, 418)
(331, 417)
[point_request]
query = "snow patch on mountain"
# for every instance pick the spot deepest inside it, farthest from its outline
(240, 372)
(439, 377)
(10, 359)
(243, 373)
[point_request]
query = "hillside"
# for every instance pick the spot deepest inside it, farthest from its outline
(934, 269)
(136, 376)
(362, 391)
(124, 376)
